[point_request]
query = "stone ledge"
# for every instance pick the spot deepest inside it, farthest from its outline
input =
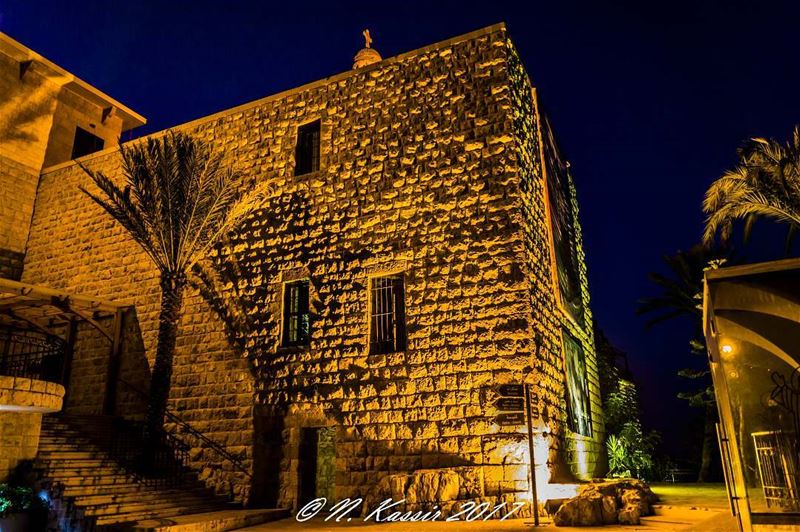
(18, 394)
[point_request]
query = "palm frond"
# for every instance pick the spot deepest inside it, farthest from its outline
(176, 198)
(764, 184)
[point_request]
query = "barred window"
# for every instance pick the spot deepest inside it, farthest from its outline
(387, 315)
(307, 150)
(295, 314)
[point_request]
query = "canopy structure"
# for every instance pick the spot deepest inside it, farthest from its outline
(28, 310)
(31, 307)
(752, 330)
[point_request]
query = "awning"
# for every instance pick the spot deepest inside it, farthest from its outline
(48, 311)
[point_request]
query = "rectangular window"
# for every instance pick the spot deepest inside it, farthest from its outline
(295, 314)
(387, 315)
(85, 143)
(307, 150)
(578, 405)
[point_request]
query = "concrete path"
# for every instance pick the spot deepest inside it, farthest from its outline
(667, 519)
(683, 507)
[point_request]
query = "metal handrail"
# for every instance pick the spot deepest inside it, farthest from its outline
(32, 355)
(172, 417)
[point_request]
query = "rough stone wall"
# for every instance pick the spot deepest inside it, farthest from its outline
(19, 439)
(17, 195)
(25, 120)
(37, 128)
(419, 176)
(22, 402)
(584, 455)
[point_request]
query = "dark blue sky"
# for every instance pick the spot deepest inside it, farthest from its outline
(649, 99)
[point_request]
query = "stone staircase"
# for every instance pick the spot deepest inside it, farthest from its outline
(92, 492)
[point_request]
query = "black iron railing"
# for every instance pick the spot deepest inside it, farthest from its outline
(32, 355)
(182, 430)
(154, 459)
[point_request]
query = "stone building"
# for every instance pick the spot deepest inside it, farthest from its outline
(421, 250)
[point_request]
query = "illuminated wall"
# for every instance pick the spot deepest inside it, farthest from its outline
(427, 169)
(40, 108)
(555, 314)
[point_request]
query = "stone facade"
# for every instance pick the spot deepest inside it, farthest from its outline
(22, 403)
(430, 168)
(41, 108)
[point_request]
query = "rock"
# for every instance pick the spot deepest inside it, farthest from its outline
(606, 502)
(583, 510)
(608, 506)
(629, 515)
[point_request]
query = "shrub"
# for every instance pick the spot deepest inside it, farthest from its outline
(18, 499)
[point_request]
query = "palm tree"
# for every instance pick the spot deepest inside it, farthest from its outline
(178, 201)
(765, 184)
(682, 296)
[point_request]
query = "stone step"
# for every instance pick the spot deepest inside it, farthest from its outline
(166, 514)
(141, 495)
(69, 454)
(99, 481)
(91, 490)
(55, 446)
(73, 463)
(221, 521)
(92, 473)
(162, 507)
(105, 492)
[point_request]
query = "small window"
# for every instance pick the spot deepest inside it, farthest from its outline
(387, 320)
(578, 404)
(307, 151)
(295, 314)
(85, 143)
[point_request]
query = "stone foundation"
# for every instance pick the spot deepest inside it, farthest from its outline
(430, 168)
(22, 403)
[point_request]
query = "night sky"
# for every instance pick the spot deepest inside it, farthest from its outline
(650, 103)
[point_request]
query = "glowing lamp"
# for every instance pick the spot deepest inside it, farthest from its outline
(726, 348)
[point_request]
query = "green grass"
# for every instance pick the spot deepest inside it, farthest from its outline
(698, 495)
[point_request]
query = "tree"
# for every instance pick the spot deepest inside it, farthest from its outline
(764, 184)
(177, 201)
(682, 296)
(630, 448)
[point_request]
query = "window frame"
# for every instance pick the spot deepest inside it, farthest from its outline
(99, 142)
(287, 315)
(314, 149)
(397, 315)
(573, 422)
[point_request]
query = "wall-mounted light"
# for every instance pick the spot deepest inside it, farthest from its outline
(726, 348)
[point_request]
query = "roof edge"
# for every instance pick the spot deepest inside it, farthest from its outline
(19, 52)
(500, 26)
(743, 270)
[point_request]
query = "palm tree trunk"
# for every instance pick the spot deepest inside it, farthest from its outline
(171, 301)
(709, 442)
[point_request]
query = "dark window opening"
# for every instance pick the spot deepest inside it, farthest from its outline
(387, 320)
(307, 151)
(295, 314)
(85, 143)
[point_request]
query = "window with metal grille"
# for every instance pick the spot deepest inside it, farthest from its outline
(307, 150)
(85, 143)
(295, 314)
(387, 315)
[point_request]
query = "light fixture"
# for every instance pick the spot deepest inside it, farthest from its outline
(726, 348)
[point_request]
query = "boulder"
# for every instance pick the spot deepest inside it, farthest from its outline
(583, 510)
(606, 502)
